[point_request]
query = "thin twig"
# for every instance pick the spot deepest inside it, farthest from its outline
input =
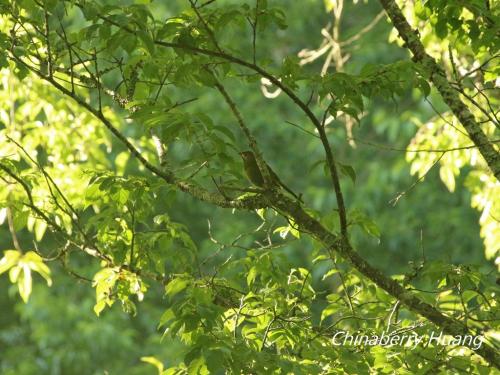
(389, 148)
(395, 200)
(12, 230)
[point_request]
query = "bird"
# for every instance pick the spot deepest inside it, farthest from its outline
(255, 176)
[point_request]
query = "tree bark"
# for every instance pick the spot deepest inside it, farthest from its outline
(437, 76)
(341, 246)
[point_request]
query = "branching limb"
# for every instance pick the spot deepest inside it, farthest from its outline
(330, 160)
(438, 78)
(196, 191)
(410, 300)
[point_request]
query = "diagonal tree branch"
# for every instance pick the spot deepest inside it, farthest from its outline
(330, 159)
(252, 202)
(449, 325)
(448, 93)
(275, 199)
(87, 247)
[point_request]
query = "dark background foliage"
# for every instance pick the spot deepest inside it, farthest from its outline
(57, 332)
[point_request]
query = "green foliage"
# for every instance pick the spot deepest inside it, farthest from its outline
(120, 128)
(20, 266)
(463, 28)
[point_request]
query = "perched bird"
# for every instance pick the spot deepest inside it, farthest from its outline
(253, 172)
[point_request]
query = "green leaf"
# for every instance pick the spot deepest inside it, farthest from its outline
(228, 133)
(206, 78)
(320, 258)
(349, 171)
(447, 176)
(197, 367)
(99, 306)
(166, 317)
(147, 41)
(20, 219)
(367, 224)
(442, 28)
(35, 262)
(328, 311)
(104, 281)
(252, 274)
(371, 228)
(40, 227)
(262, 213)
(3, 215)
(176, 286)
(214, 360)
(155, 362)
(283, 231)
(331, 272)
(171, 28)
(24, 283)
(424, 86)
(20, 266)
(10, 259)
